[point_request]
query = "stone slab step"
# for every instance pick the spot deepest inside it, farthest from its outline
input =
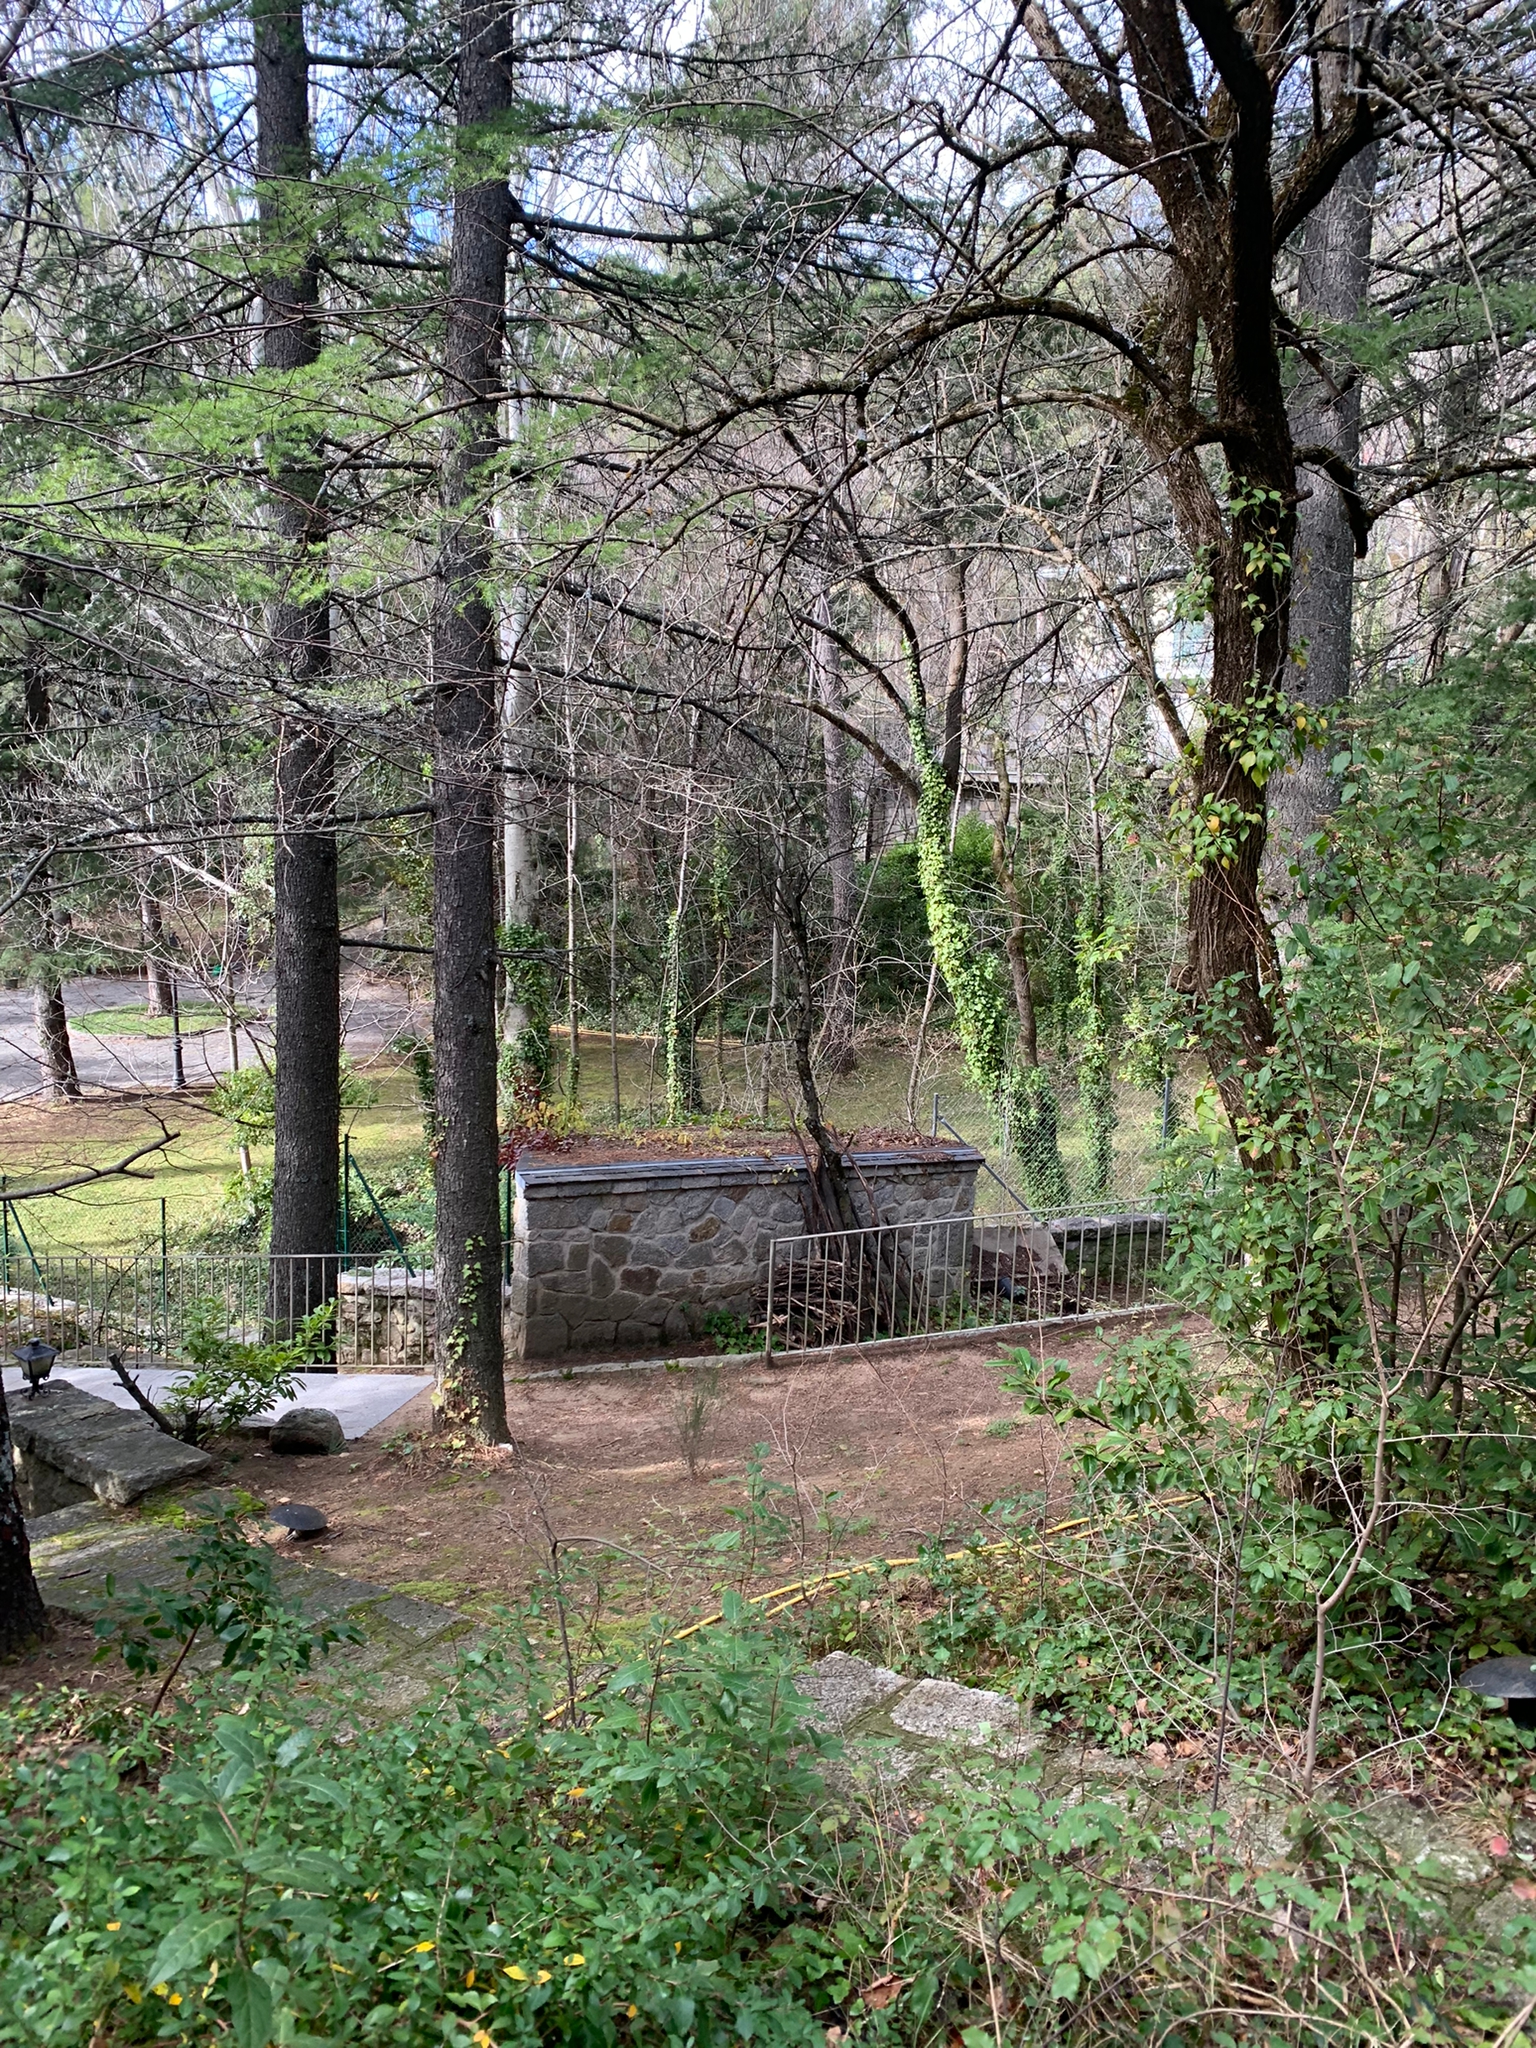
(94, 1447)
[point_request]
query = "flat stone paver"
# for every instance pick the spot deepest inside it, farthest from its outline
(942, 1711)
(406, 1644)
(357, 1399)
(844, 1687)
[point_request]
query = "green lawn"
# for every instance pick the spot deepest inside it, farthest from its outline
(196, 1172)
(129, 1020)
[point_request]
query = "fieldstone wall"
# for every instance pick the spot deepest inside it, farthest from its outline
(385, 1320)
(619, 1255)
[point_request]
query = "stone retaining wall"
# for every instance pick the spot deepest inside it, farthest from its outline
(622, 1255)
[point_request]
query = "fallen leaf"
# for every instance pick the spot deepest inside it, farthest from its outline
(884, 1991)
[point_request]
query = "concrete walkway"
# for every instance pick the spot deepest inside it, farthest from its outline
(357, 1399)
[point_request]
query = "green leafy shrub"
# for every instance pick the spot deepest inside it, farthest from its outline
(668, 1868)
(476, 1873)
(234, 1378)
(230, 1598)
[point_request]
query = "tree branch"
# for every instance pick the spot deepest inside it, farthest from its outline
(89, 1175)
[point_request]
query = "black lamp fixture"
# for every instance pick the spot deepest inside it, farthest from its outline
(36, 1360)
(298, 1520)
(1511, 1679)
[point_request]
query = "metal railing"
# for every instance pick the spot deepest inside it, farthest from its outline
(975, 1272)
(147, 1306)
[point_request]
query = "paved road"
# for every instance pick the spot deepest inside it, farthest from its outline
(373, 1013)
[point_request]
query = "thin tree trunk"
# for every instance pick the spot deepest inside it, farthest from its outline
(306, 925)
(613, 967)
(1331, 286)
(23, 1618)
(836, 1044)
(765, 1083)
(61, 1081)
(1015, 942)
(957, 633)
(519, 844)
(466, 745)
(572, 989)
(157, 973)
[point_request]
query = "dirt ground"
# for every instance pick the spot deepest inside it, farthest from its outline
(867, 1455)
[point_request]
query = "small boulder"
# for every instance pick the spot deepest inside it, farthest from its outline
(307, 1433)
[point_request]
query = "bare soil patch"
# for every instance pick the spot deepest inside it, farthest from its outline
(864, 1456)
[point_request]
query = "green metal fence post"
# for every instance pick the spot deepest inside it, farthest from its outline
(346, 1194)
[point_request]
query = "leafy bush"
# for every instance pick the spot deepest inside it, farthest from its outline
(477, 1867)
(230, 1597)
(247, 1098)
(234, 1378)
(732, 1333)
(668, 1869)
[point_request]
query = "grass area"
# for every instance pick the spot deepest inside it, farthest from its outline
(131, 1020)
(193, 1176)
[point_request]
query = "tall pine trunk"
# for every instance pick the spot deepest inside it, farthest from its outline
(306, 936)
(466, 691)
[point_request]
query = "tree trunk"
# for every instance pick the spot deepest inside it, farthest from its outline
(306, 934)
(307, 951)
(957, 634)
(23, 1618)
(61, 1081)
(827, 684)
(157, 973)
(1331, 286)
(1016, 940)
(56, 1055)
(466, 744)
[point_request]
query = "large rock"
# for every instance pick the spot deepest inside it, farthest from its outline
(71, 1446)
(844, 1687)
(307, 1433)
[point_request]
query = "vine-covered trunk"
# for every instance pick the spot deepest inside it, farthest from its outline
(1017, 1091)
(306, 924)
(466, 697)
